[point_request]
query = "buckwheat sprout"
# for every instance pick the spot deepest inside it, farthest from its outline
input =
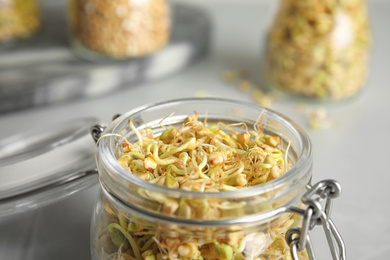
(263, 165)
(106, 135)
(226, 187)
(136, 155)
(258, 141)
(184, 156)
(147, 131)
(118, 135)
(225, 147)
(231, 205)
(193, 158)
(171, 152)
(279, 160)
(140, 138)
(175, 170)
(203, 186)
(213, 173)
(138, 167)
(147, 244)
(189, 144)
(205, 119)
(222, 126)
(128, 236)
(234, 171)
(194, 174)
(210, 146)
(203, 163)
(234, 168)
(154, 153)
(155, 180)
(160, 123)
(286, 158)
(259, 121)
(163, 250)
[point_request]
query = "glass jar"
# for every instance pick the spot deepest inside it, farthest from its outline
(318, 49)
(19, 19)
(135, 219)
(119, 29)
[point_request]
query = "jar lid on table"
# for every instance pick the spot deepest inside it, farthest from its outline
(41, 166)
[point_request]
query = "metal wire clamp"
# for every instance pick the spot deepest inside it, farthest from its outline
(315, 213)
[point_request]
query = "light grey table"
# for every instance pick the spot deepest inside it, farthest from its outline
(356, 152)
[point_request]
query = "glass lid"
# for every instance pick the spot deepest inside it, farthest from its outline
(44, 165)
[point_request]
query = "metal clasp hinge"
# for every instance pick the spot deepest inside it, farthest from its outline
(298, 238)
(97, 130)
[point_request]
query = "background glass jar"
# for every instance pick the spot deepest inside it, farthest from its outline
(19, 19)
(318, 49)
(118, 29)
(135, 219)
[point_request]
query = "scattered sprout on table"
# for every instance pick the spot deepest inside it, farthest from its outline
(240, 77)
(316, 118)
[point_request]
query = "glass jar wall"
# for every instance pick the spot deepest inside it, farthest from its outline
(118, 29)
(19, 19)
(318, 49)
(135, 219)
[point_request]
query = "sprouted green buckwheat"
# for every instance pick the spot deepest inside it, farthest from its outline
(202, 158)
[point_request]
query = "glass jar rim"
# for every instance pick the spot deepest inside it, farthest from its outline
(110, 162)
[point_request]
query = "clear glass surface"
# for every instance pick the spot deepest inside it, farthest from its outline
(132, 211)
(46, 164)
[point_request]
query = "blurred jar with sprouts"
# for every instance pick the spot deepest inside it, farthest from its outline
(318, 49)
(19, 19)
(119, 29)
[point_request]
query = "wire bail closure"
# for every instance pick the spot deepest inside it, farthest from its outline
(96, 131)
(298, 238)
